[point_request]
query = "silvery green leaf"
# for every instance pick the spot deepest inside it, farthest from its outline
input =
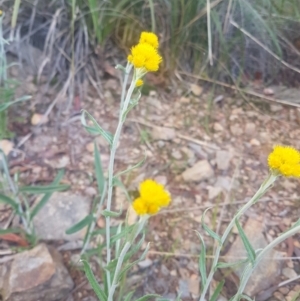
(208, 230)
(246, 242)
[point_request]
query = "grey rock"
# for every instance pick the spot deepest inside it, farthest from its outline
(62, 211)
(223, 159)
(289, 273)
(183, 288)
(199, 172)
(223, 182)
(269, 268)
(37, 274)
(145, 263)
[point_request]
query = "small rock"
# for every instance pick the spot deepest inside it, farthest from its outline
(219, 98)
(90, 147)
(161, 180)
(218, 127)
(223, 159)
(6, 146)
(173, 273)
(75, 260)
(275, 108)
(62, 211)
(197, 90)
(268, 270)
(213, 192)
(38, 119)
(184, 100)
(254, 142)
(278, 296)
(199, 172)
(236, 130)
(37, 274)
(223, 182)
(163, 133)
(145, 263)
(289, 273)
(194, 285)
(176, 154)
(268, 91)
(90, 191)
(183, 289)
(284, 290)
(164, 270)
(250, 128)
(59, 162)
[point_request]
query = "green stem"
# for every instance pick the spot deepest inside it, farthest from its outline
(250, 268)
(117, 270)
(260, 192)
(110, 176)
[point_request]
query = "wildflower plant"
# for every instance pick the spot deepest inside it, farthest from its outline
(124, 241)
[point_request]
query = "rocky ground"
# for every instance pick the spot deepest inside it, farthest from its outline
(209, 147)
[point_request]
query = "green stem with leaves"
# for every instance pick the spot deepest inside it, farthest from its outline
(251, 267)
(114, 147)
(260, 192)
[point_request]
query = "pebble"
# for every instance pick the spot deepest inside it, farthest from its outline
(145, 263)
(289, 273)
(284, 290)
(254, 142)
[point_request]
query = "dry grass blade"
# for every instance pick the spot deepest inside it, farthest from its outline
(264, 47)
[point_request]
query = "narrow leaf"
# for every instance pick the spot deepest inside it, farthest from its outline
(93, 282)
(129, 296)
(224, 265)
(96, 129)
(10, 230)
(43, 189)
(217, 291)
(46, 197)
(208, 230)
(202, 261)
(7, 200)
(80, 225)
(145, 298)
(4, 106)
(246, 242)
(123, 233)
(111, 213)
(98, 169)
(131, 168)
(246, 298)
(129, 266)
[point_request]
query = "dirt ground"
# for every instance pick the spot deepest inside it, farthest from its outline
(196, 122)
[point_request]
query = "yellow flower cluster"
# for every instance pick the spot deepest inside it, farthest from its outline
(152, 197)
(285, 160)
(144, 55)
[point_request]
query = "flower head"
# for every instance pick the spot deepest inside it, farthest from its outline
(143, 55)
(152, 197)
(149, 38)
(285, 160)
(139, 83)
